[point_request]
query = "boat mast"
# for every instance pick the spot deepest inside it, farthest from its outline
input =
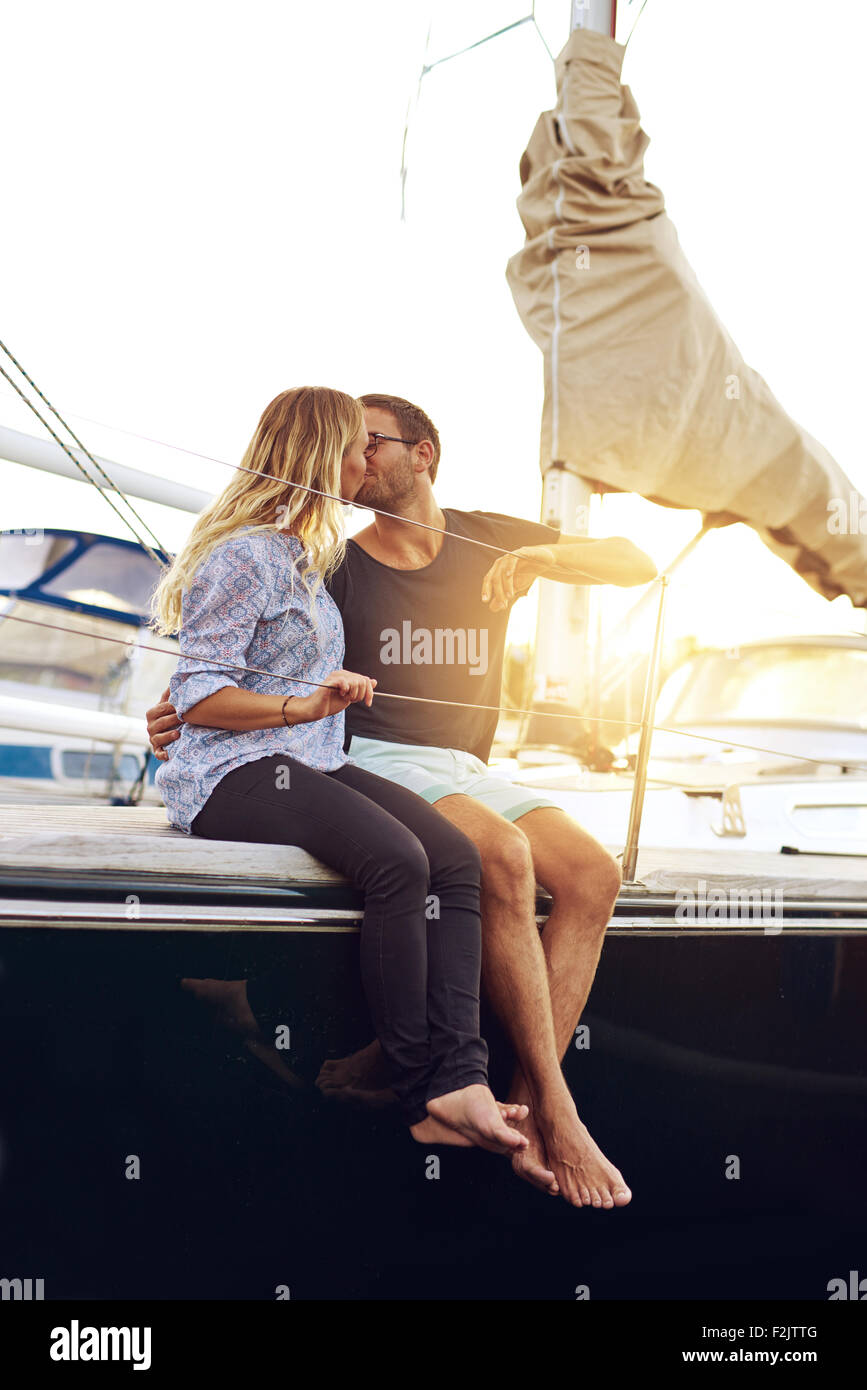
(561, 665)
(600, 15)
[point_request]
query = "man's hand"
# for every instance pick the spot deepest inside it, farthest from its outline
(573, 560)
(163, 726)
(509, 575)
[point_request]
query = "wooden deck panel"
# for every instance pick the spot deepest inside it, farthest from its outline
(139, 839)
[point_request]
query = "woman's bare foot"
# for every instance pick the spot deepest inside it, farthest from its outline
(474, 1113)
(584, 1174)
(431, 1131)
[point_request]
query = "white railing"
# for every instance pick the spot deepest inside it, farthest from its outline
(100, 725)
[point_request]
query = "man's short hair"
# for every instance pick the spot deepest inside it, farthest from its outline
(413, 422)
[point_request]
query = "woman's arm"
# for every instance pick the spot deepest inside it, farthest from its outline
(241, 710)
(221, 609)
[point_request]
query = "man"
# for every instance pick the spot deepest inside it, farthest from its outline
(425, 614)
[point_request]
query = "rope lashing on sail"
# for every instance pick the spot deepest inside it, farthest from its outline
(429, 700)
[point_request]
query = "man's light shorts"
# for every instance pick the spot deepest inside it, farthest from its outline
(436, 772)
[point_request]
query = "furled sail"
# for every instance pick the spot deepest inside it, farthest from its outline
(644, 389)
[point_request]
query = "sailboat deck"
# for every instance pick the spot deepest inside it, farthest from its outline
(110, 866)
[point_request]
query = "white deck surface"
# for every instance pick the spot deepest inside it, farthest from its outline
(93, 839)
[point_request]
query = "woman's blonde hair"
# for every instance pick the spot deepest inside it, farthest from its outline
(301, 438)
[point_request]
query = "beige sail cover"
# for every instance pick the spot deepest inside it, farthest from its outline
(644, 389)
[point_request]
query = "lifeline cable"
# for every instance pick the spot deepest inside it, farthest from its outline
(429, 700)
(193, 453)
(559, 571)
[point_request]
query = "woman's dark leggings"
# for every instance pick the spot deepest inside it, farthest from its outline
(420, 970)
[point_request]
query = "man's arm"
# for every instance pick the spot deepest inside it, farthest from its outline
(614, 560)
(572, 560)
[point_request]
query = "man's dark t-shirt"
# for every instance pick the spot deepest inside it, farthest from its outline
(427, 632)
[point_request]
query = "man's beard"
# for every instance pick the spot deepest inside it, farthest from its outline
(388, 493)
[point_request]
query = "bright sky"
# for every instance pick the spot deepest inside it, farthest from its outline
(203, 208)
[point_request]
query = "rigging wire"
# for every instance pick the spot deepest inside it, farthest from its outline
(131, 644)
(477, 43)
(635, 21)
(427, 67)
(143, 543)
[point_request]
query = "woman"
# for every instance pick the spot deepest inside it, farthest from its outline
(261, 756)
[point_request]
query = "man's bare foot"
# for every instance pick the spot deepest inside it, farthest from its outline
(583, 1173)
(475, 1114)
(355, 1098)
(229, 1000)
(361, 1080)
(433, 1131)
(531, 1163)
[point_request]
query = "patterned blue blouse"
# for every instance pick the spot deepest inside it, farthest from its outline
(246, 604)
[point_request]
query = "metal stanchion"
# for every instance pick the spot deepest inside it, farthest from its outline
(648, 711)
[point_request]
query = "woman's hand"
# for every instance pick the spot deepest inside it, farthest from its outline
(344, 688)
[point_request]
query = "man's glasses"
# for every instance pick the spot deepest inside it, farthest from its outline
(374, 442)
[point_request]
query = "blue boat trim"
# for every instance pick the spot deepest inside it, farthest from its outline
(25, 760)
(82, 542)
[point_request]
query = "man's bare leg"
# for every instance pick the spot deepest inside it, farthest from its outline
(515, 972)
(583, 880)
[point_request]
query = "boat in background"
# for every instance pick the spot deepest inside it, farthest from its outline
(760, 747)
(72, 703)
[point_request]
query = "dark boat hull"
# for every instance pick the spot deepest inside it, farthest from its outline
(703, 1050)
